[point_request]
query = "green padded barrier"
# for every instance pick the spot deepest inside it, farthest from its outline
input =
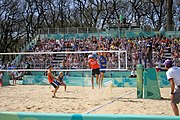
(57, 36)
(108, 74)
(151, 87)
(120, 74)
(49, 36)
(84, 81)
(66, 36)
(162, 78)
(53, 116)
(141, 34)
(139, 70)
(86, 74)
(76, 35)
(172, 33)
(149, 34)
(112, 34)
(130, 34)
(6, 78)
(37, 73)
(77, 81)
(70, 81)
(120, 79)
(118, 82)
(71, 35)
(38, 80)
(124, 82)
(85, 35)
(76, 74)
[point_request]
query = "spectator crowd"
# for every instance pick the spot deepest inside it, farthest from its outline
(149, 51)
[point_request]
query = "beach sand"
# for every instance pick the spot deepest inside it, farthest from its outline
(82, 100)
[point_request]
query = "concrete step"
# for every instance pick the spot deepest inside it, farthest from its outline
(167, 54)
(166, 50)
(168, 57)
(59, 58)
(57, 61)
(60, 55)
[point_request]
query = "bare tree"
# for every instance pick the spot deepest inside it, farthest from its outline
(169, 15)
(11, 31)
(20, 19)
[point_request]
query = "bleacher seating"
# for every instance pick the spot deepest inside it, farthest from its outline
(58, 58)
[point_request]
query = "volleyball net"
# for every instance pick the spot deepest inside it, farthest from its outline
(31, 67)
(61, 61)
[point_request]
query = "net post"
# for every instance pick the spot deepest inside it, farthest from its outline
(139, 69)
(126, 60)
(6, 78)
(119, 60)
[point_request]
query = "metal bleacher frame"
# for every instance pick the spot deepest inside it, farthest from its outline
(124, 31)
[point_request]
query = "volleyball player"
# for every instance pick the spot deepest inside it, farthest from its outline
(14, 75)
(173, 75)
(61, 80)
(93, 64)
(102, 62)
(51, 80)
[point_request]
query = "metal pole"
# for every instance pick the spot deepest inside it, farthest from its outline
(57, 30)
(39, 33)
(119, 58)
(118, 32)
(67, 30)
(126, 60)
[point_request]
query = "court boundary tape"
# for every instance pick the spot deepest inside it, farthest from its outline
(110, 102)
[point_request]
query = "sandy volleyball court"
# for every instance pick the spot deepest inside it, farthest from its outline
(78, 99)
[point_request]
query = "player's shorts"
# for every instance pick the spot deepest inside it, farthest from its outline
(55, 84)
(177, 96)
(95, 71)
(102, 67)
(103, 71)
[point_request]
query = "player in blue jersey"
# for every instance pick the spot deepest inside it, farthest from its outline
(61, 80)
(102, 62)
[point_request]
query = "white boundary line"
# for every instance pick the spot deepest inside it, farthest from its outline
(101, 106)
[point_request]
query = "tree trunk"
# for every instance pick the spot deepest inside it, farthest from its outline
(169, 15)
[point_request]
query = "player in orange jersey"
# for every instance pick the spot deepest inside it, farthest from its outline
(93, 64)
(51, 80)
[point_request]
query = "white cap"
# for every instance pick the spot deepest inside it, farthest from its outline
(90, 56)
(94, 53)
